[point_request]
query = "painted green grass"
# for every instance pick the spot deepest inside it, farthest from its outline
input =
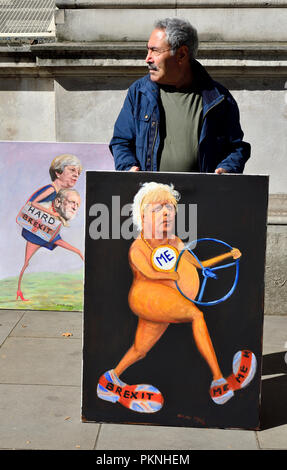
(45, 291)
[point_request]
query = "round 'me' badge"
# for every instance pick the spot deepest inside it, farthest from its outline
(163, 258)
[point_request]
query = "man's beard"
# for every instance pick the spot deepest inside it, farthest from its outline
(67, 215)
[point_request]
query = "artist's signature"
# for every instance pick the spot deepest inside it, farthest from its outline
(195, 419)
(64, 305)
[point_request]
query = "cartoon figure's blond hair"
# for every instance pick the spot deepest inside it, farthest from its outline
(152, 193)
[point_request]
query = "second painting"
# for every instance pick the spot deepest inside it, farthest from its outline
(42, 204)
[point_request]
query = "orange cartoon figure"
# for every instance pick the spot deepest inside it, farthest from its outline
(157, 302)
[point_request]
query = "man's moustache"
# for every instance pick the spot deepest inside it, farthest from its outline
(67, 215)
(152, 67)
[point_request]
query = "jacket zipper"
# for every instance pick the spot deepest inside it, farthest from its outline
(153, 144)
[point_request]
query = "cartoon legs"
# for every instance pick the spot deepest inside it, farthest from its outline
(157, 305)
(69, 247)
(149, 332)
(147, 335)
(31, 249)
(204, 343)
(155, 311)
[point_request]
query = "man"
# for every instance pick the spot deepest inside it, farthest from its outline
(177, 118)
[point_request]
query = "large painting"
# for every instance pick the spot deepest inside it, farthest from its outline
(173, 299)
(42, 234)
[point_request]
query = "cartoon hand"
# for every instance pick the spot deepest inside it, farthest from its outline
(174, 276)
(62, 220)
(235, 253)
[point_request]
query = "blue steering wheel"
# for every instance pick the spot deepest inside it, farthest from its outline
(209, 273)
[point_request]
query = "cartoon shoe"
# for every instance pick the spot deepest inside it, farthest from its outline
(244, 367)
(140, 398)
(109, 386)
(220, 391)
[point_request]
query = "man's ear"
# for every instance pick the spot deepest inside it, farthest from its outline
(182, 53)
(57, 202)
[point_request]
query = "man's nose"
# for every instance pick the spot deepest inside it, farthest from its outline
(149, 57)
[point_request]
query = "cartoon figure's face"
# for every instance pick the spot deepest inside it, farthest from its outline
(69, 176)
(69, 205)
(158, 219)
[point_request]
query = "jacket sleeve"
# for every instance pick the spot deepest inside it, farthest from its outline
(122, 145)
(238, 151)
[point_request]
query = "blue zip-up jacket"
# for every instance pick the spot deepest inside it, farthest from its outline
(136, 137)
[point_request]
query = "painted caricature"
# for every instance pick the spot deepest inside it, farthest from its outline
(155, 297)
(48, 208)
(66, 204)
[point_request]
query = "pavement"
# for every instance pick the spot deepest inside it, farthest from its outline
(40, 388)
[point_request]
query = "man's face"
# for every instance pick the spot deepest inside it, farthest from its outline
(163, 66)
(158, 220)
(69, 205)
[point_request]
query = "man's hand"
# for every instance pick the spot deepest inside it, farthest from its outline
(134, 168)
(219, 171)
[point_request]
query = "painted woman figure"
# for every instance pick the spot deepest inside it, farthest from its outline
(156, 301)
(64, 172)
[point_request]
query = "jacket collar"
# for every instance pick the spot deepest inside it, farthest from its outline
(211, 94)
(148, 87)
(211, 91)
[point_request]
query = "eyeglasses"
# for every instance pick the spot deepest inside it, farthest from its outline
(155, 51)
(157, 207)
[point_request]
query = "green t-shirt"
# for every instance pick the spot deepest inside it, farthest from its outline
(181, 120)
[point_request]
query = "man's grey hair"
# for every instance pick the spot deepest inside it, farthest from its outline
(179, 32)
(62, 193)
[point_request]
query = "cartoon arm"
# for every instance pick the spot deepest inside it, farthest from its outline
(186, 254)
(35, 203)
(139, 261)
(234, 253)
